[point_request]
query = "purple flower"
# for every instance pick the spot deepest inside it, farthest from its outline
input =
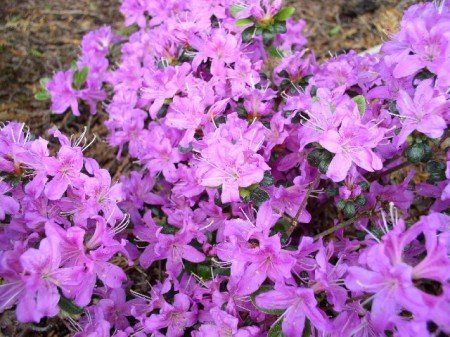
(353, 143)
(65, 170)
(8, 205)
(230, 159)
(224, 325)
(176, 317)
(174, 249)
(221, 47)
(163, 84)
(42, 276)
(102, 197)
(299, 303)
(424, 113)
(62, 92)
(268, 259)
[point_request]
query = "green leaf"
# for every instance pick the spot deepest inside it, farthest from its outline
(307, 329)
(79, 78)
(235, 9)
(284, 14)
(247, 34)
(280, 27)
(69, 307)
(73, 65)
(185, 149)
(261, 290)
(244, 194)
(204, 272)
(275, 53)
(276, 329)
(335, 30)
(42, 96)
(244, 22)
(35, 52)
(314, 157)
(268, 37)
(127, 31)
(258, 196)
(361, 103)
(267, 180)
(43, 82)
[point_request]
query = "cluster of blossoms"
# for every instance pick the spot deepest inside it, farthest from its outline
(269, 195)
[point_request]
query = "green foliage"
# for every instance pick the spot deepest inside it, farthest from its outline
(80, 77)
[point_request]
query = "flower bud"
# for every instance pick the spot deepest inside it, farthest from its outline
(419, 152)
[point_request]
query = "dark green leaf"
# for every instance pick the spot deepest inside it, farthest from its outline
(268, 37)
(204, 272)
(323, 166)
(261, 290)
(258, 196)
(247, 34)
(332, 192)
(364, 185)
(314, 158)
(280, 27)
(276, 330)
(69, 307)
(275, 53)
(307, 329)
(267, 180)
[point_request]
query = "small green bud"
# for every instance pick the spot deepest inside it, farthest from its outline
(364, 185)
(361, 200)
(418, 152)
(314, 158)
(244, 193)
(332, 192)
(436, 170)
(323, 166)
(349, 210)
(341, 204)
(258, 196)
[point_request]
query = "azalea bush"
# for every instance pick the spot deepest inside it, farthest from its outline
(269, 195)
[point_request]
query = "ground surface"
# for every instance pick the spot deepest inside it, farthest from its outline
(39, 37)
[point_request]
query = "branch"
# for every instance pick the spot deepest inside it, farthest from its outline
(294, 221)
(344, 224)
(388, 171)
